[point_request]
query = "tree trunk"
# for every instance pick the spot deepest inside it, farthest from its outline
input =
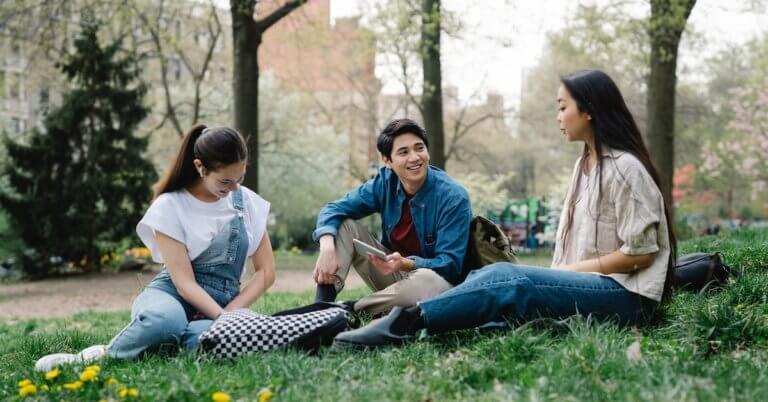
(432, 94)
(668, 18)
(246, 37)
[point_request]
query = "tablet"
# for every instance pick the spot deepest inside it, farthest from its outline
(365, 248)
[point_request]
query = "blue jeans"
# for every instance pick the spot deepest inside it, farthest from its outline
(505, 291)
(157, 318)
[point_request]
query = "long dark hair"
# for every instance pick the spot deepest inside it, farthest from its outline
(215, 147)
(613, 125)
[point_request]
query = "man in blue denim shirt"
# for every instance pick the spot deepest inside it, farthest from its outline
(425, 222)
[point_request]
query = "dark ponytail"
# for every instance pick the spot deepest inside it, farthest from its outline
(215, 147)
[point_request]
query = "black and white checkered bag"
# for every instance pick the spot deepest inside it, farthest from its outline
(241, 332)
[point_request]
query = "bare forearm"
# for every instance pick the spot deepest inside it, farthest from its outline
(199, 299)
(327, 243)
(254, 288)
(263, 276)
(613, 263)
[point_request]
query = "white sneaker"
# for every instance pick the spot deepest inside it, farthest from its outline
(93, 353)
(48, 362)
(87, 355)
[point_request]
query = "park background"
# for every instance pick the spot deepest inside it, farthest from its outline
(80, 151)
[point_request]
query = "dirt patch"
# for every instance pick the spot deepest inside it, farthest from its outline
(62, 297)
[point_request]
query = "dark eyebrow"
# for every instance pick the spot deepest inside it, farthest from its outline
(560, 100)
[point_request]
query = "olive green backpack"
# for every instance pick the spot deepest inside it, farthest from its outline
(487, 244)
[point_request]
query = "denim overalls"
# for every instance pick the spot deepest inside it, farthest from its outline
(161, 316)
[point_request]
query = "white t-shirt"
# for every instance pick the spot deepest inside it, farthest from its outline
(183, 217)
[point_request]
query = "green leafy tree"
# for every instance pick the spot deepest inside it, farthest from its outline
(81, 183)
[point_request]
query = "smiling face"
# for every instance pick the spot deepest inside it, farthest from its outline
(574, 124)
(222, 181)
(410, 160)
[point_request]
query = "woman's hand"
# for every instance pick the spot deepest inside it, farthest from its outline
(263, 261)
(177, 262)
(613, 263)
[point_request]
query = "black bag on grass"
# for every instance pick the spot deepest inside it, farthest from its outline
(241, 332)
(699, 271)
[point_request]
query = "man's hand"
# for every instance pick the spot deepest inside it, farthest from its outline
(327, 263)
(393, 263)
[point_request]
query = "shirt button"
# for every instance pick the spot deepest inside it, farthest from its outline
(231, 259)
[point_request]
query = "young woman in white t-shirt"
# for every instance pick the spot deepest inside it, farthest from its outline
(615, 245)
(202, 225)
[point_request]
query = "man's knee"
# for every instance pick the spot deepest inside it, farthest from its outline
(348, 226)
(420, 285)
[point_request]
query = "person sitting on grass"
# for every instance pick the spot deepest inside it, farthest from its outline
(425, 218)
(615, 246)
(202, 225)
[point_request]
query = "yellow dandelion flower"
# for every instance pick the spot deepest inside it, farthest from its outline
(27, 390)
(133, 392)
(94, 367)
(88, 375)
(219, 396)
(265, 394)
(23, 383)
(74, 386)
(110, 381)
(51, 375)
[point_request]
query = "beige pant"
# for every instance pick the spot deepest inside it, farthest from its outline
(398, 289)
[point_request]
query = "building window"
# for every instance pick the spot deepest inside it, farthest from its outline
(15, 48)
(45, 98)
(15, 86)
(174, 69)
(18, 124)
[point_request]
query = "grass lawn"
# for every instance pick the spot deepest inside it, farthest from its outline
(711, 347)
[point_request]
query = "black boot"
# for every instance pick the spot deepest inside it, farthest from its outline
(325, 293)
(399, 326)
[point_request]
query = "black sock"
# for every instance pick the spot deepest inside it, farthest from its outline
(408, 322)
(325, 293)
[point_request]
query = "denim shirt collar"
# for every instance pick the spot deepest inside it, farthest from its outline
(422, 194)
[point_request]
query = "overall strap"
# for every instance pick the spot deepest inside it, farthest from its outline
(237, 199)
